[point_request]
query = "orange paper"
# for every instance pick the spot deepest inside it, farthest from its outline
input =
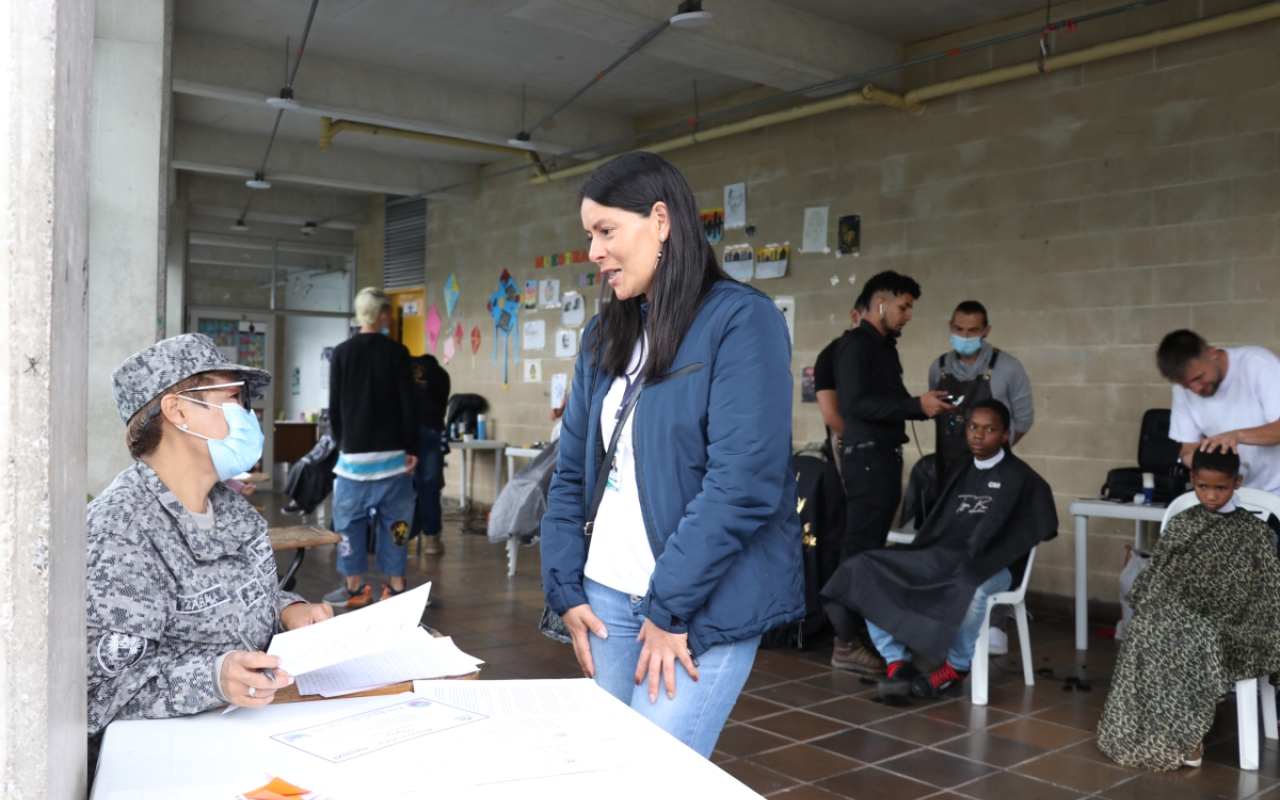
(277, 789)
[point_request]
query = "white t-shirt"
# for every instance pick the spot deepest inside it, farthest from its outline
(1249, 396)
(621, 556)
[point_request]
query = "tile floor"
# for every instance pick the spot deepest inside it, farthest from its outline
(802, 730)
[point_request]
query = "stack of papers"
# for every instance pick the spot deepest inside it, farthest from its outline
(375, 646)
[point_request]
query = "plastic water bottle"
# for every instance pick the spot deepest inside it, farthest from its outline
(480, 427)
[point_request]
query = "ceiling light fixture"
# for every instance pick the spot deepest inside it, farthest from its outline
(691, 15)
(309, 228)
(259, 182)
(240, 226)
(285, 100)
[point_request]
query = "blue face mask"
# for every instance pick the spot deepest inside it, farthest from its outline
(966, 347)
(241, 448)
(386, 331)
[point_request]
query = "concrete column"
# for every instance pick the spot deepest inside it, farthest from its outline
(128, 199)
(45, 54)
(175, 271)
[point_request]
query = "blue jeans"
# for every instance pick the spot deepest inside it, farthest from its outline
(700, 709)
(960, 656)
(386, 503)
(428, 482)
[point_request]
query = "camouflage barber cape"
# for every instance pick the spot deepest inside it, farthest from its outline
(165, 599)
(1205, 616)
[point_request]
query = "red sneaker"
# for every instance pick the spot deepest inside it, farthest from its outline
(936, 682)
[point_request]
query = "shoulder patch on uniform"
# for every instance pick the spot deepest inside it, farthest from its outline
(267, 564)
(202, 601)
(251, 593)
(118, 651)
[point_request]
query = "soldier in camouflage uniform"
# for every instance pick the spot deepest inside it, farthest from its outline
(178, 564)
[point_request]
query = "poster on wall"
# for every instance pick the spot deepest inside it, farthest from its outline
(549, 293)
(559, 389)
(771, 260)
(531, 294)
(533, 370)
(735, 206)
(295, 381)
(849, 235)
(739, 261)
(326, 359)
(787, 305)
(573, 310)
(713, 223)
(566, 344)
(808, 394)
(815, 231)
(535, 334)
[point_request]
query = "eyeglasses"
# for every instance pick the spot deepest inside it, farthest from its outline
(242, 396)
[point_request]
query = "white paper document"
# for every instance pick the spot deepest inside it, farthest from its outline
(508, 699)
(360, 734)
(419, 656)
(373, 629)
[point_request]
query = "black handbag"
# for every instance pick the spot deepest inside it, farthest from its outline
(551, 625)
(1157, 454)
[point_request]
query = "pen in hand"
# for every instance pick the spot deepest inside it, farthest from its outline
(248, 645)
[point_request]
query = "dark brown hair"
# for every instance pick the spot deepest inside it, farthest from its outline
(146, 427)
(1176, 352)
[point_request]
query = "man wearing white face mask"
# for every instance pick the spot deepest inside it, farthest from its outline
(180, 570)
(976, 371)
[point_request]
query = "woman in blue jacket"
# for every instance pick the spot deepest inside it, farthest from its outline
(694, 550)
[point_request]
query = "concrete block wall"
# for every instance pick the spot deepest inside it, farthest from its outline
(1092, 210)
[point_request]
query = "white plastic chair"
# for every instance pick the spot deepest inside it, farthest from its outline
(978, 677)
(1261, 504)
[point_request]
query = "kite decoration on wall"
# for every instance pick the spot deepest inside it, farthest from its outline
(475, 344)
(504, 306)
(452, 343)
(451, 293)
(433, 325)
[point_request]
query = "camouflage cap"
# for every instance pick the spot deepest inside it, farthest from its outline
(147, 373)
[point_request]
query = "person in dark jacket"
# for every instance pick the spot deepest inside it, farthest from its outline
(695, 549)
(431, 397)
(932, 596)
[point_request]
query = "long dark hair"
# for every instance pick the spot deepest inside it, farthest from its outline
(686, 271)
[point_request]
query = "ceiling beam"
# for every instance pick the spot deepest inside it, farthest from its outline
(755, 40)
(240, 72)
(211, 151)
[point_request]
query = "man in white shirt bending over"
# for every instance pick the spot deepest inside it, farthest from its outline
(1225, 398)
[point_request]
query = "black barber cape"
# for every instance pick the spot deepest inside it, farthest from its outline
(985, 521)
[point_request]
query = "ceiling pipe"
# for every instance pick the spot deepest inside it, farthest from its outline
(914, 99)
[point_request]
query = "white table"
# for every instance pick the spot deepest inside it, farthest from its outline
(487, 444)
(1082, 510)
(513, 544)
(210, 755)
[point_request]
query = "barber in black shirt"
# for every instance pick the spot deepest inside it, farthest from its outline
(875, 406)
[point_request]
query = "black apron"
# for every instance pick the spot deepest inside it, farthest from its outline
(952, 445)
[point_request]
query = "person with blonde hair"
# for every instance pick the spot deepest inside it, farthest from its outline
(373, 421)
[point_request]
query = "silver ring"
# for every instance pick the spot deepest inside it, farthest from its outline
(253, 691)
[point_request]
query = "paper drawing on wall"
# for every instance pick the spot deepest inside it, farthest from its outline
(504, 306)
(533, 370)
(549, 293)
(432, 325)
(787, 305)
(713, 223)
(535, 334)
(573, 310)
(475, 344)
(566, 344)
(815, 231)
(451, 294)
(771, 260)
(849, 234)
(559, 389)
(295, 381)
(739, 261)
(530, 294)
(450, 349)
(735, 206)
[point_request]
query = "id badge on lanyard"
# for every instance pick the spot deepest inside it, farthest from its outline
(614, 481)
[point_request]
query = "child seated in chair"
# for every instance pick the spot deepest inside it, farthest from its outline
(1206, 614)
(932, 596)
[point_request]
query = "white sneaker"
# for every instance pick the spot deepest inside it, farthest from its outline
(999, 642)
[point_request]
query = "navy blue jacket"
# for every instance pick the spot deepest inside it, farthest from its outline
(713, 466)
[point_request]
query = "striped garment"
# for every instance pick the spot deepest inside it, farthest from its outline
(370, 466)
